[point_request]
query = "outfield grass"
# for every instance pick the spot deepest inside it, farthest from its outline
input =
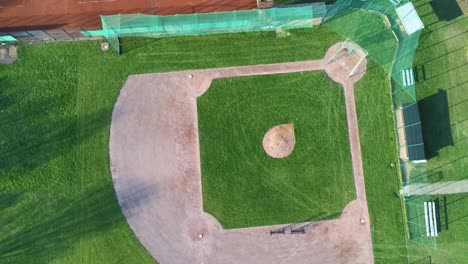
(378, 147)
(57, 203)
(377, 133)
(242, 185)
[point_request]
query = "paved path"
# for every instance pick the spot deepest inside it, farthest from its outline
(155, 166)
(448, 187)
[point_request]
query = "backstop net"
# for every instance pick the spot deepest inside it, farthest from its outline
(350, 52)
(288, 17)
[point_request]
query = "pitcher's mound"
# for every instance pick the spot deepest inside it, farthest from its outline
(279, 141)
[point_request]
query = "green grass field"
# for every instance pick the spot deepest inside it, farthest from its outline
(57, 201)
(443, 92)
(443, 101)
(378, 147)
(242, 185)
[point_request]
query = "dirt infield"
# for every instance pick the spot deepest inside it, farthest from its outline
(155, 164)
(21, 15)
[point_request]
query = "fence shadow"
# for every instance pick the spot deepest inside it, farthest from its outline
(450, 211)
(425, 260)
(435, 176)
(442, 214)
(128, 44)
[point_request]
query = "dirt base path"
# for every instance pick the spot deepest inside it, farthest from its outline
(155, 165)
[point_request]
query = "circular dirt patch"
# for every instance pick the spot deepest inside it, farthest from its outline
(279, 141)
(339, 69)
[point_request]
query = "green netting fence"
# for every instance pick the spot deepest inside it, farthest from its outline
(7, 39)
(389, 31)
(289, 17)
(392, 47)
(417, 221)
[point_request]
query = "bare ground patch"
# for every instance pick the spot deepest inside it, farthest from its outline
(279, 141)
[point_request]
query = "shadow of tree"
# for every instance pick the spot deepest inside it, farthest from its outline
(57, 202)
(446, 10)
(34, 132)
(37, 227)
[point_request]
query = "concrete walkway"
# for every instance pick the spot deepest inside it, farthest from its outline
(155, 164)
(448, 187)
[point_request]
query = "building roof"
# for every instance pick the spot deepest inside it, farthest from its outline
(409, 18)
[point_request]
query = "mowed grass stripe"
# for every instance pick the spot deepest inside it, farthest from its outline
(242, 185)
(378, 147)
(443, 104)
(57, 202)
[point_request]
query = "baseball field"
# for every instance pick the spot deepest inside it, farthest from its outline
(57, 198)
